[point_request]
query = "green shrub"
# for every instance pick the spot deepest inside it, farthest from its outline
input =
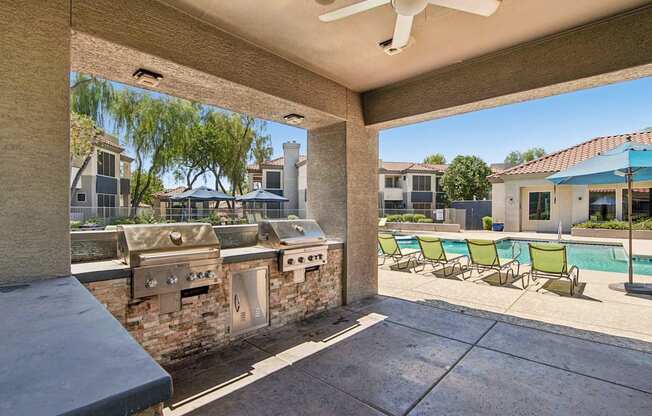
(639, 224)
(94, 221)
(122, 220)
(75, 224)
(408, 218)
(418, 217)
(486, 223)
(394, 218)
(292, 217)
(425, 220)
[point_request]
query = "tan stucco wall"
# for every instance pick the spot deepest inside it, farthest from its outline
(342, 177)
(498, 202)
(34, 139)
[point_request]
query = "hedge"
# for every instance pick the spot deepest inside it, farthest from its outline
(641, 224)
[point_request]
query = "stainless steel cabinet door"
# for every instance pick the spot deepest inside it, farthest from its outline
(249, 300)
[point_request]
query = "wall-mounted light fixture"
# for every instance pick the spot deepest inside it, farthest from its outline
(293, 119)
(147, 78)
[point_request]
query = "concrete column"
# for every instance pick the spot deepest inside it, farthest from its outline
(291, 176)
(34, 139)
(343, 194)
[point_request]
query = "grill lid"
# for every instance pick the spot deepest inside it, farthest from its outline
(290, 233)
(134, 240)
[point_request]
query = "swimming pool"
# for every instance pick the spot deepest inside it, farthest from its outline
(604, 258)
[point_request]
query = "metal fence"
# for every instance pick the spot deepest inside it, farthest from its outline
(97, 217)
(443, 215)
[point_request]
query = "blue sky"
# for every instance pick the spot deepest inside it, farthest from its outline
(552, 123)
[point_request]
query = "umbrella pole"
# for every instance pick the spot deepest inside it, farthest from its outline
(629, 217)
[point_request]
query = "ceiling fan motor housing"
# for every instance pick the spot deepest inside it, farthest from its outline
(409, 7)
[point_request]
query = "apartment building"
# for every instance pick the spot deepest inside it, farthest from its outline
(105, 181)
(401, 185)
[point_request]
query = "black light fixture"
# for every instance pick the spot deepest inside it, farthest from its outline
(147, 78)
(293, 119)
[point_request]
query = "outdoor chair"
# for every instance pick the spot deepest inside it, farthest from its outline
(550, 261)
(433, 253)
(382, 222)
(389, 248)
(484, 256)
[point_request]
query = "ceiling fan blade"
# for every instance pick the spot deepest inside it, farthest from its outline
(402, 31)
(363, 6)
(481, 7)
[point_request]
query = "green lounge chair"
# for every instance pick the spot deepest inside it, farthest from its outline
(389, 248)
(484, 256)
(433, 253)
(550, 261)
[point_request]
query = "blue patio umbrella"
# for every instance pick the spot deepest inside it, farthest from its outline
(626, 163)
(260, 195)
(202, 193)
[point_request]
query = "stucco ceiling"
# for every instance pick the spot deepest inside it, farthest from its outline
(347, 50)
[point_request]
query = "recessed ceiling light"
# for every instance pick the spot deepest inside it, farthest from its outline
(147, 78)
(294, 119)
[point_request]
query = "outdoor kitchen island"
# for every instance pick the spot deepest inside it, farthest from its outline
(206, 315)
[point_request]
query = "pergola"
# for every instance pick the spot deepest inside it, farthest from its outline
(271, 60)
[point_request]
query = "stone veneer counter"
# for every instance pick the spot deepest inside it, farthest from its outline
(62, 353)
(203, 323)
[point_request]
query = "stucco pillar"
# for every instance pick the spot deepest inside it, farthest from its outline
(343, 194)
(34, 139)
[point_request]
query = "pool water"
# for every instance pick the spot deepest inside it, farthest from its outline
(585, 256)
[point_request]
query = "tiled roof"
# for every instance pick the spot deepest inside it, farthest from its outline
(566, 158)
(273, 163)
(166, 193)
(108, 140)
(404, 167)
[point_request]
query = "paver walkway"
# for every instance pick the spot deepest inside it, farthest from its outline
(389, 356)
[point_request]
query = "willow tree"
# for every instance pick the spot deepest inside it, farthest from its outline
(83, 136)
(91, 96)
(153, 126)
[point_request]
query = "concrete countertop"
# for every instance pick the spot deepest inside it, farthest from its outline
(63, 353)
(97, 271)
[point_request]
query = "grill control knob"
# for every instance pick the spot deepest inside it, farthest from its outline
(192, 276)
(151, 283)
(310, 258)
(210, 274)
(301, 259)
(172, 280)
(290, 261)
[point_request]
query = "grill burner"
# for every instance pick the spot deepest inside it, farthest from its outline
(302, 244)
(168, 258)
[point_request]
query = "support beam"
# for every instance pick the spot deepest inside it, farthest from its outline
(611, 50)
(343, 194)
(199, 61)
(34, 140)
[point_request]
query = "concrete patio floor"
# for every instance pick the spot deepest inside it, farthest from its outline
(389, 356)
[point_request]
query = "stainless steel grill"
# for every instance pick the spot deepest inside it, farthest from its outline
(167, 259)
(302, 244)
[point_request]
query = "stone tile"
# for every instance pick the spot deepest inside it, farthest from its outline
(491, 383)
(496, 297)
(303, 339)
(402, 280)
(387, 365)
(618, 365)
(619, 316)
(286, 392)
(437, 321)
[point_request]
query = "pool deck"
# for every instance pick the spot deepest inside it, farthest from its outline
(641, 248)
(594, 307)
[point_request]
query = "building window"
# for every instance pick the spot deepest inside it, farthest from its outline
(641, 203)
(257, 181)
(602, 205)
(421, 183)
(125, 169)
(392, 182)
(105, 200)
(273, 179)
(539, 206)
(421, 206)
(106, 164)
(393, 204)
(81, 197)
(438, 184)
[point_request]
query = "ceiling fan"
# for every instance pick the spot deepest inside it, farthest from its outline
(407, 9)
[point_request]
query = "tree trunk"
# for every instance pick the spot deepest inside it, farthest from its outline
(75, 180)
